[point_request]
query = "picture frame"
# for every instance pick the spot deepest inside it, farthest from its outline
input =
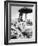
(7, 19)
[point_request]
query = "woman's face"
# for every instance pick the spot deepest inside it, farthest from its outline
(22, 16)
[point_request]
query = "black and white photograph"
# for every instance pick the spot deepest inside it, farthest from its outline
(21, 22)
